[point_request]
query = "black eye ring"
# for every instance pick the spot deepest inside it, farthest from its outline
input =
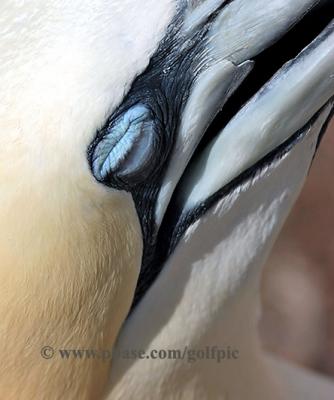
(128, 151)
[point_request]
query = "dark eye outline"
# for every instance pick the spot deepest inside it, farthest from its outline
(163, 88)
(124, 153)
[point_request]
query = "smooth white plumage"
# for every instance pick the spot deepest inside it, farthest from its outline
(70, 248)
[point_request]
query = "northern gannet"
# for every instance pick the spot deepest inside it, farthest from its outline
(152, 150)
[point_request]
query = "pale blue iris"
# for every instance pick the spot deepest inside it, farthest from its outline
(125, 133)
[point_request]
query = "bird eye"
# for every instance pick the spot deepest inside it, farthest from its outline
(126, 152)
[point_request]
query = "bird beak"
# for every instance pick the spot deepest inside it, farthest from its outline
(232, 83)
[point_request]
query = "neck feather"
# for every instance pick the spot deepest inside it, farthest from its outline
(66, 281)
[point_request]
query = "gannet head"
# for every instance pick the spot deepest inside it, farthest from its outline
(211, 207)
(173, 142)
(105, 106)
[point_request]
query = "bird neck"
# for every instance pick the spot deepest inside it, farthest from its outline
(61, 259)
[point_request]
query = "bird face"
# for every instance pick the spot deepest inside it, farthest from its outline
(122, 123)
(231, 84)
